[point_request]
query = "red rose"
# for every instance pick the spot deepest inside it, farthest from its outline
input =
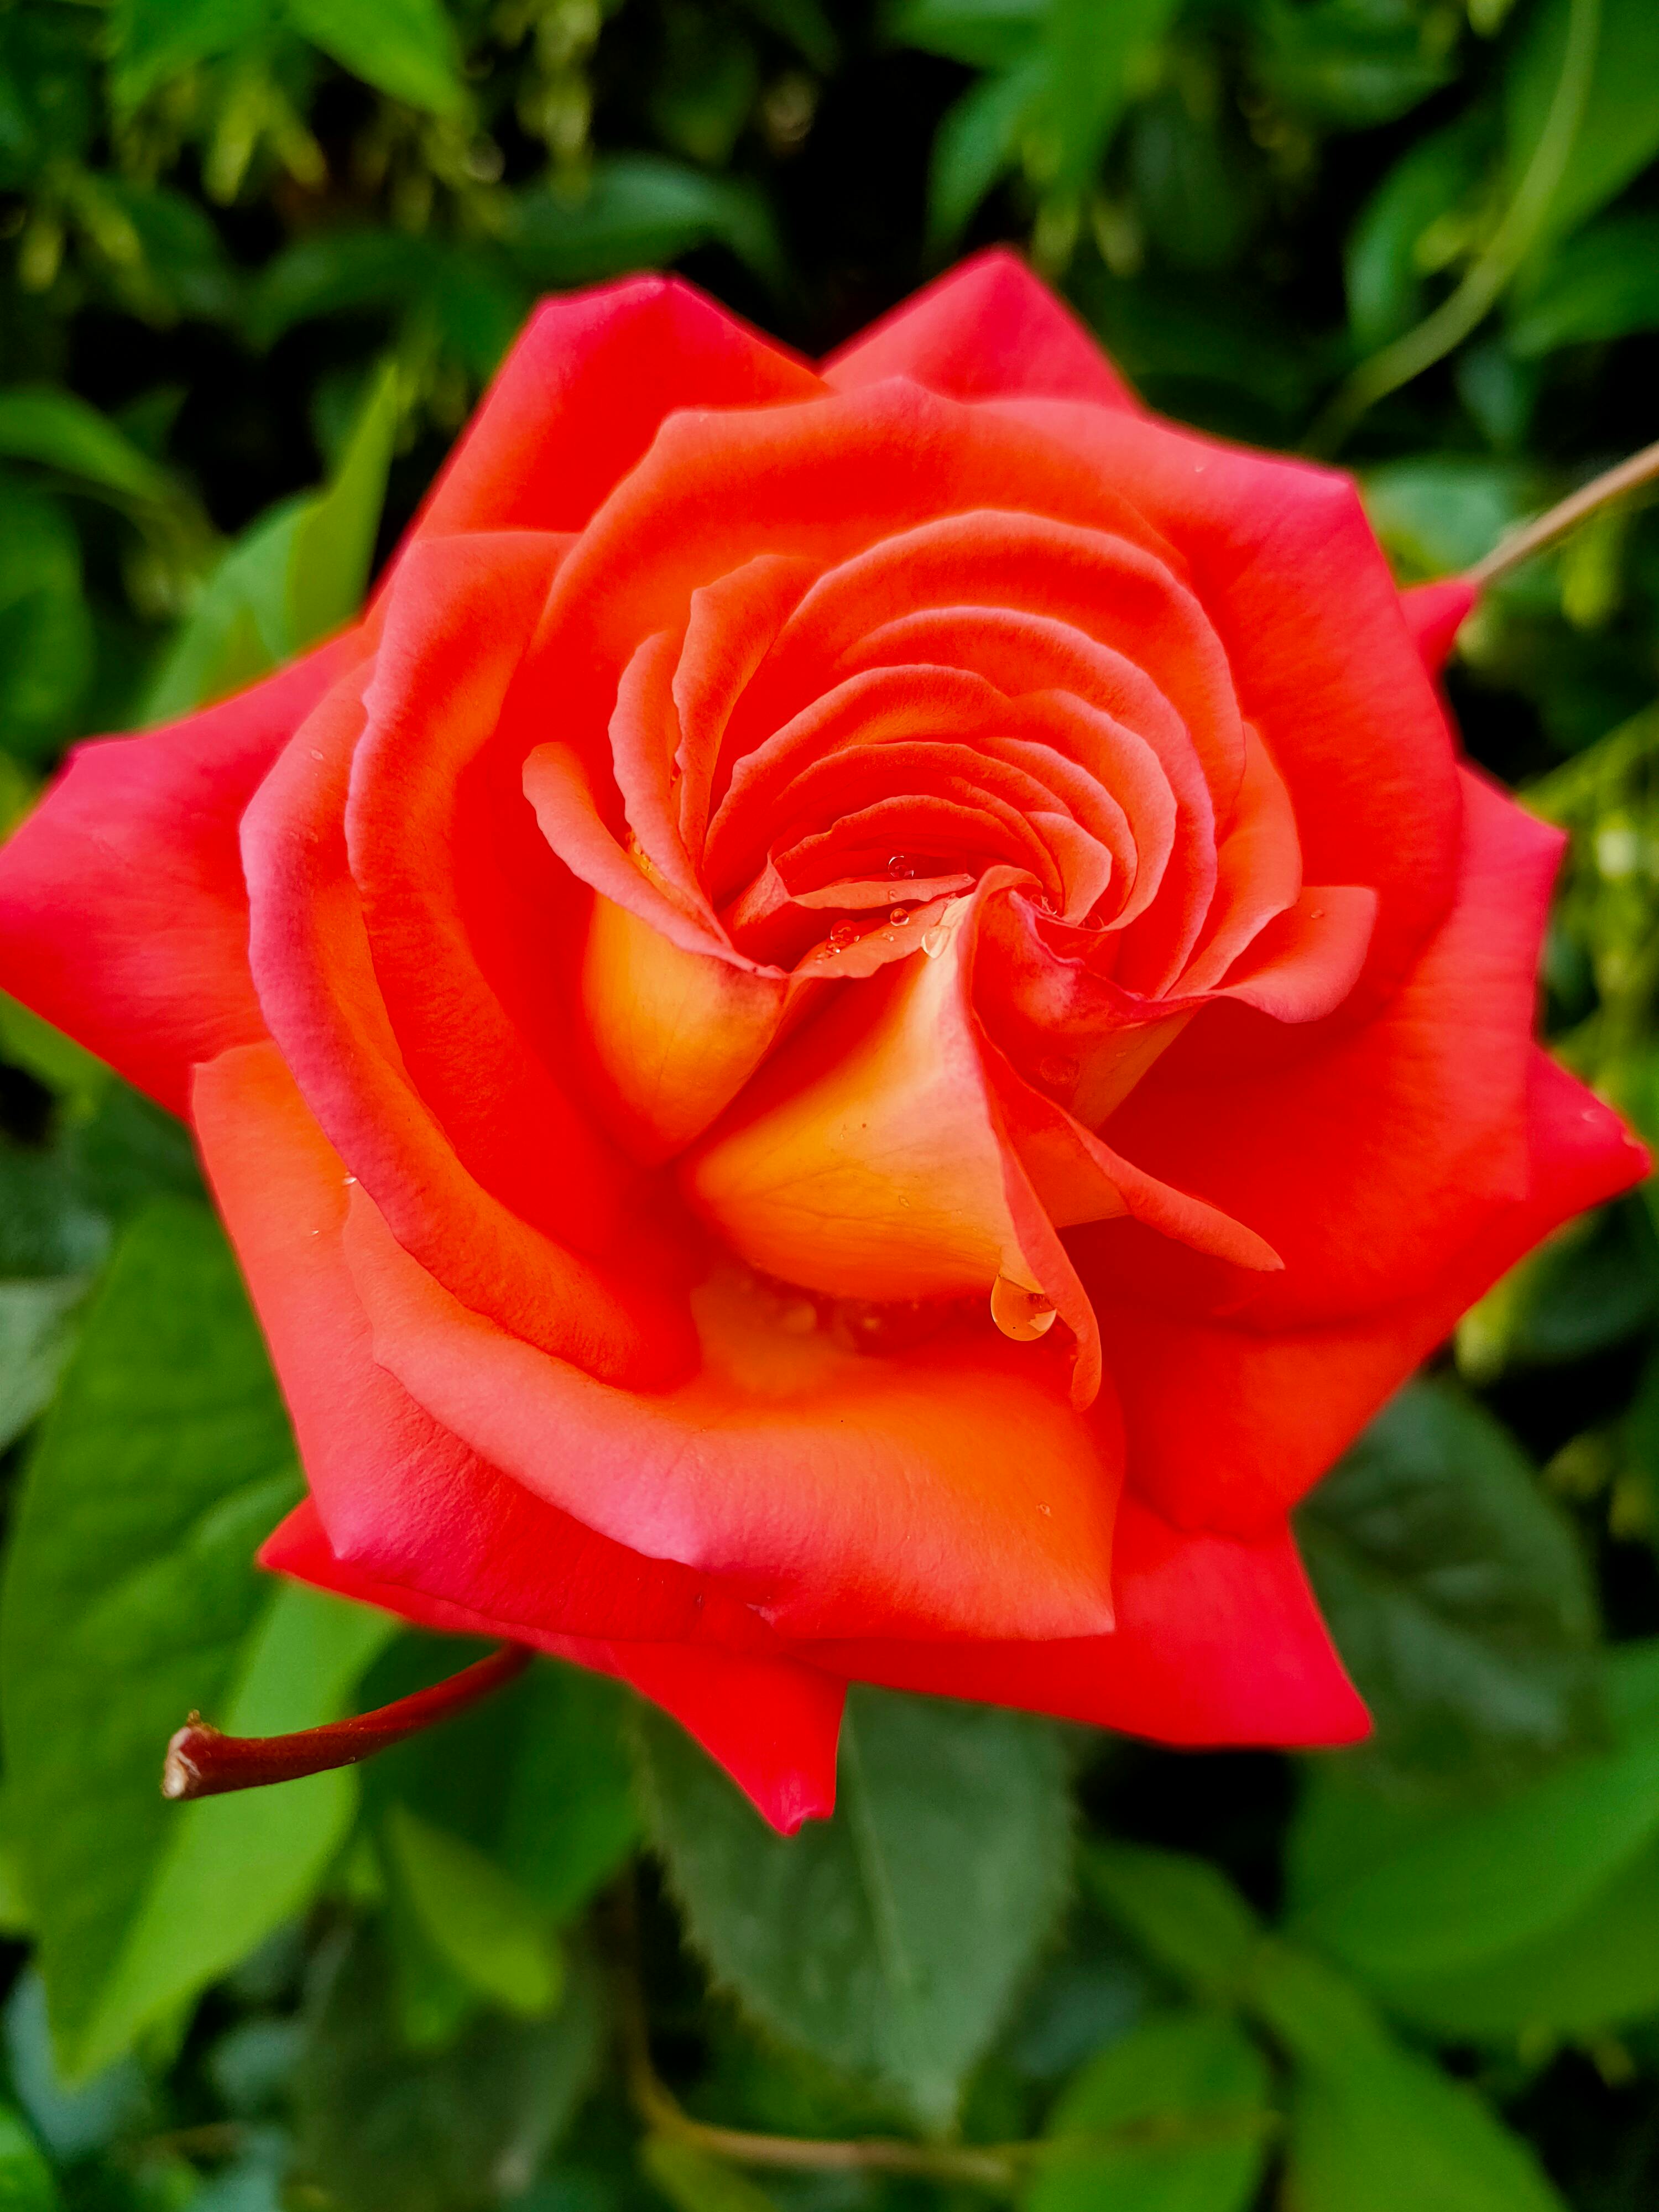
(854, 1032)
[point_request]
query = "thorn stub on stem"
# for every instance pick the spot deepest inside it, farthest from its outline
(202, 1761)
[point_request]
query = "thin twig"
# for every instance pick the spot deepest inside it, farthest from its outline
(202, 1762)
(1451, 322)
(1543, 531)
(997, 2166)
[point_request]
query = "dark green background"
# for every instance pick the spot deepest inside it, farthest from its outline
(257, 259)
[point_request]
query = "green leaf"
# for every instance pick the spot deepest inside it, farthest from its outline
(154, 41)
(71, 2120)
(1382, 264)
(804, 26)
(975, 145)
(46, 104)
(889, 1939)
(36, 1336)
(1604, 285)
(640, 211)
(571, 1816)
(334, 534)
(25, 2179)
(477, 1918)
(235, 1868)
(1350, 62)
(984, 34)
(46, 629)
(1094, 59)
(381, 2129)
(1596, 1974)
(296, 575)
(46, 1228)
(1187, 2091)
(1185, 1913)
(1438, 513)
(1458, 1596)
(130, 1589)
(25, 1041)
(538, 1776)
(1456, 1891)
(1619, 134)
(405, 47)
(1373, 2127)
(1194, 193)
(61, 432)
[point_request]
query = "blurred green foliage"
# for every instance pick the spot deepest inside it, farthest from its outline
(257, 259)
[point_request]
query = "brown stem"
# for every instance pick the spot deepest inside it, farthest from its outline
(1536, 535)
(997, 2166)
(201, 1762)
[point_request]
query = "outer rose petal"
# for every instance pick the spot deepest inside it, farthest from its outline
(123, 911)
(582, 394)
(987, 329)
(934, 1494)
(771, 1724)
(1435, 613)
(399, 1497)
(1218, 1641)
(1227, 1427)
(1363, 1165)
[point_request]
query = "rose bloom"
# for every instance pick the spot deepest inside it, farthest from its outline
(858, 1025)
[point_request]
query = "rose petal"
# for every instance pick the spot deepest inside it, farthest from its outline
(313, 970)
(1228, 1425)
(676, 1033)
(1218, 1641)
(772, 1724)
(1327, 669)
(987, 328)
(1435, 613)
(1364, 1162)
(929, 1495)
(123, 911)
(456, 618)
(399, 1497)
(582, 393)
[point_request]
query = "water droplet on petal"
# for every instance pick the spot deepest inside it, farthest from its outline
(843, 934)
(1057, 1072)
(1020, 1314)
(902, 864)
(900, 915)
(934, 940)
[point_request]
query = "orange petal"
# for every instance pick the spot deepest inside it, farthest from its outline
(677, 1034)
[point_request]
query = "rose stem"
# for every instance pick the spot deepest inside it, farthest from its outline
(1534, 536)
(202, 1762)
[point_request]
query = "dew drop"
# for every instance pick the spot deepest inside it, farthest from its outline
(1020, 1314)
(902, 864)
(934, 940)
(900, 915)
(843, 934)
(1057, 1072)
